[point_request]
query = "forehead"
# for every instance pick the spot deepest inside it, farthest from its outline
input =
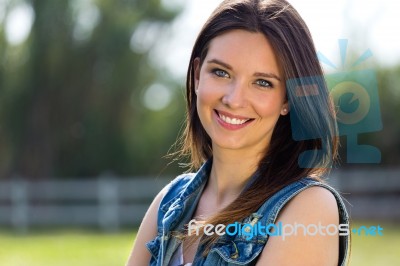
(244, 49)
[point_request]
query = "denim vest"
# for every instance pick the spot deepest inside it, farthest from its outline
(178, 206)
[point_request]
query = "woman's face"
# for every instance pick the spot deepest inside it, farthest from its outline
(240, 91)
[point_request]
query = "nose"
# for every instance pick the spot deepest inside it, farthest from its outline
(235, 96)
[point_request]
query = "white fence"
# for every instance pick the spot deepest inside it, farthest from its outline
(110, 203)
(107, 202)
(371, 194)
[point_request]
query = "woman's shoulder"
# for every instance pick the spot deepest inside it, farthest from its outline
(317, 200)
(325, 193)
(313, 210)
(312, 188)
(313, 204)
(305, 196)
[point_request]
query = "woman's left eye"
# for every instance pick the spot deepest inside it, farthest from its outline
(220, 73)
(264, 83)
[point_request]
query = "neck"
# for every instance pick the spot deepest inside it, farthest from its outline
(230, 172)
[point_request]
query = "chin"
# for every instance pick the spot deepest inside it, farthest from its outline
(229, 145)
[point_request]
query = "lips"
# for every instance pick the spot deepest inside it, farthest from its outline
(231, 121)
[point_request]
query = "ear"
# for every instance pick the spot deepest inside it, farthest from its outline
(285, 108)
(196, 66)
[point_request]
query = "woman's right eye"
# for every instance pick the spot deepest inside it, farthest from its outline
(220, 73)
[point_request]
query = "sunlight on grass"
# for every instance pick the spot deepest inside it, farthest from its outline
(376, 250)
(65, 248)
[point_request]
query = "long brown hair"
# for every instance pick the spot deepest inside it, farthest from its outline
(293, 45)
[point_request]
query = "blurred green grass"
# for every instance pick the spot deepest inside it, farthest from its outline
(65, 248)
(91, 248)
(376, 250)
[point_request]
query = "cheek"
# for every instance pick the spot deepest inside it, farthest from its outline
(208, 93)
(268, 106)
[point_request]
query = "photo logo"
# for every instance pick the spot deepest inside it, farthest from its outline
(251, 230)
(356, 100)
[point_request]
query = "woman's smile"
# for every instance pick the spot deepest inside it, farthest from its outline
(230, 121)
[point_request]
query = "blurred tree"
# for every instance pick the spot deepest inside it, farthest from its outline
(389, 92)
(71, 95)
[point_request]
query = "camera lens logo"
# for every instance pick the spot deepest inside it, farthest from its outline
(356, 99)
(355, 95)
(352, 102)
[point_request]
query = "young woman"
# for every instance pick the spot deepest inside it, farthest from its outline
(261, 126)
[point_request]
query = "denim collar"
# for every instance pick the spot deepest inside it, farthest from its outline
(185, 198)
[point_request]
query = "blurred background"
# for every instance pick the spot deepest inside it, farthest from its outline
(92, 99)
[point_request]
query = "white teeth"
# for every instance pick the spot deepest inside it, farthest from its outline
(232, 121)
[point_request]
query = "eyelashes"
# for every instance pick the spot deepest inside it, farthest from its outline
(220, 73)
(264, 83)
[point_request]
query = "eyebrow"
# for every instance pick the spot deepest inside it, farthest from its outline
(261, 74)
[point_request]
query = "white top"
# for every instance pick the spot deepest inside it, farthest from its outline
(177, 259)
